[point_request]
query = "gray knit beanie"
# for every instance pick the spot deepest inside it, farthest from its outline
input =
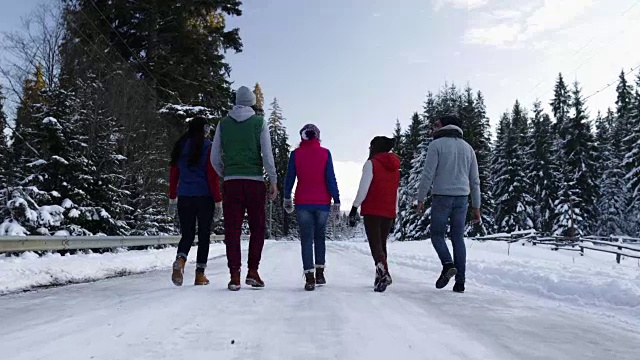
(245, 97)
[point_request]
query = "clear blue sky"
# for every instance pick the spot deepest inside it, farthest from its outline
(353, 67)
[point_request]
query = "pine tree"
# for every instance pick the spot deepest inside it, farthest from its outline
(6, 168)
(476, 133)
(543, 170)
(411, 140)
(483, 155)
(257, 90)
(612, 202)
(578, 192)
(409, 224)
(399, 141)
(280, 220)
(4, 148)
(97, 140)
(148, 56)
(514, 204)
(631, 161)
(176, 48)
(499, 165)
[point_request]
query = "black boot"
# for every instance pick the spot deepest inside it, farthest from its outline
(448, 271)
(320, 280)
(310, 281)
(458, 287)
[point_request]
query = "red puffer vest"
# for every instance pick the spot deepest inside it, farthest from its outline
(311, 163)
(383, 192)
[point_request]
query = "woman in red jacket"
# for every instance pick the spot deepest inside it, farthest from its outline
(193, 189)
(378, 196)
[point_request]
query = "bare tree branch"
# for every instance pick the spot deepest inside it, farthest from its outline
(37, 43)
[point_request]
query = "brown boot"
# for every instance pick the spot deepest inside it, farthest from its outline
(310, 281)
(234, 283)
(253, 279)
(201, 278)
(178, 271)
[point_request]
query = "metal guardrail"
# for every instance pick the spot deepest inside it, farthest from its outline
(9, 244)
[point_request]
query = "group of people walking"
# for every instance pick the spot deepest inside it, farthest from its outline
(241, 153)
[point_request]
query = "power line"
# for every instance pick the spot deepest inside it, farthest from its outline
(583, 48)
(613, 82)
(632, 6)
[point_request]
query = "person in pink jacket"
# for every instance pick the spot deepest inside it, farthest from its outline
(312, 165)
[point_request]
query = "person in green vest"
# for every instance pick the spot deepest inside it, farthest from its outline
(242, 153)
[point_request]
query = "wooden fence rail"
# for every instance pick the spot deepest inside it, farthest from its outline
(620, 246)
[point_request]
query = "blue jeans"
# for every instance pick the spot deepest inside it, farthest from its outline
(443, 210)
(313, 226)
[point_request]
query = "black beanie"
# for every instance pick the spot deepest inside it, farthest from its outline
(381, 144)
(450, 120)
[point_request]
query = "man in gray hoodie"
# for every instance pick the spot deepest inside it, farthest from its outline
(451, 173)
(241, 154)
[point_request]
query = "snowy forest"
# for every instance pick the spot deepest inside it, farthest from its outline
(567, 173)
(103, 89)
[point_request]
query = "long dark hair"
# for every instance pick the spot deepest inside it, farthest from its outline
(195, 135)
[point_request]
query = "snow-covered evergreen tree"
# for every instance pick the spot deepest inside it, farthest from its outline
(512, 187)
(477, 133)
(612, 202)
(631, 163)
(411, 140)
(280, 220)
(578, 191)
(543, 170)
(97, 138)
(410, 225)
(6, 166)
(5, 155)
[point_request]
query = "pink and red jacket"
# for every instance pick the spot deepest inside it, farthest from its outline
(312, 165)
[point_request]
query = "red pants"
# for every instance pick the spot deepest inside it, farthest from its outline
(238, 196)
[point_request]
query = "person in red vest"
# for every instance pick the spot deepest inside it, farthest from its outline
(378, 196)
(194, 191)
(313, 167)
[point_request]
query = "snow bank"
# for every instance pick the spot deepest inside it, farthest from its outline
(593, 280)
(11, 227)
(29, 271)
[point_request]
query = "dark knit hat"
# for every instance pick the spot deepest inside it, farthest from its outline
(381, 144)
(309, 132)
(450, 120)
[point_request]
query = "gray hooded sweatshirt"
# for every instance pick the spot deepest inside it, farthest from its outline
(451, 169)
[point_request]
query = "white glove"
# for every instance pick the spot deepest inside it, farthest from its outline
(288, 205)
(173, 206)
(217, 212)
(335, 211)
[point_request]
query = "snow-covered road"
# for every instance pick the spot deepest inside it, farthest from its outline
(146, 317)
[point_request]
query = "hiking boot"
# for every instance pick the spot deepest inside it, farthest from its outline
(253, 279)
(448, 271)
(383, 279)
(320, 280)
(310, 281)
(234, 283)
(177, 276)
(458, 287)
(201, 278)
